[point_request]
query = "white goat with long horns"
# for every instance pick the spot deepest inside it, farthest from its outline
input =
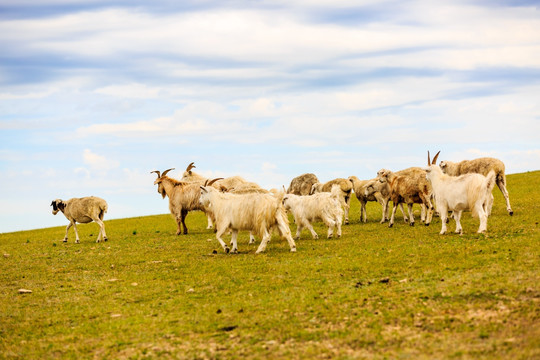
(465, 192)
(480, 166)
(258, 213)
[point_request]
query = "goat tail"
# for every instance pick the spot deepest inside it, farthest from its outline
(491, 178)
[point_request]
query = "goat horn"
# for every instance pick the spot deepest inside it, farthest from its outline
(157, 172)
(190, 166)
(435, 158)
(212, 181)
(428, 159)
(166, 171)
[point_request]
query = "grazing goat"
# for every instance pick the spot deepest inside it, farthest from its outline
(183, 197)
(324, 206)
(301, 185)
(480, 166)
(82, 210)
(345, 187)
(470, 191)
(258, 213)
(360, 187)
(408, 186)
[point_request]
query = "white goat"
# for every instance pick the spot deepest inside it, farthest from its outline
(346, 189)
(82, 210)
(465, 192)
(480, 166)
(258, 213)
(321, 206)
(222, 184)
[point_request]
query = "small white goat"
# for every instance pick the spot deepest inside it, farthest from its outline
(346, 190)
(465, 192)
(258, 213)
(480, 166)
(321, 206)
(82, 210)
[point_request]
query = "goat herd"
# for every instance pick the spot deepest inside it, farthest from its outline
(233, 204)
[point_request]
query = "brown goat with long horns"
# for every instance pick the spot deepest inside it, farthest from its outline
(183, 197)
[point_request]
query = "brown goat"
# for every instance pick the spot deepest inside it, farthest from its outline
(408, 186)
(480, 166)
(183, 197)
(301, 185)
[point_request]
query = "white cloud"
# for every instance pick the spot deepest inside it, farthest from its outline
(134, 90)
(98, 162)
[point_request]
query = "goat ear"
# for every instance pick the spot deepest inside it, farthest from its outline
(435, 158)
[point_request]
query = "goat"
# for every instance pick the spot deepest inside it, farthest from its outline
(345, 187)
(324, 206)
(82, 210)
(470, 191)
(408, 186)
(258, 213)
(223, 184)
(183, 197)
(360, 187)
(480, 166)
(373, 187)
(301, 185)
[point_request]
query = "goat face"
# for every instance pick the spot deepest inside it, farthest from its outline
(58, 205)
(443, 165)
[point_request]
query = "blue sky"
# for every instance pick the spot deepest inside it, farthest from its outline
(95, 95)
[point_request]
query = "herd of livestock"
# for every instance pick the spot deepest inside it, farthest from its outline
(233, 204)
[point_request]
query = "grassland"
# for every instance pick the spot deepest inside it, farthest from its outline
(376, 293)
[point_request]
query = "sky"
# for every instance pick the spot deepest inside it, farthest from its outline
(95, 95)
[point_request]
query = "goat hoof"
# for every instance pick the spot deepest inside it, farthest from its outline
(293, 249)
(65, 240)
(427, 224)
(390, 225)
(511, 213)
(105, 239)
(412, 224)
(227, 250)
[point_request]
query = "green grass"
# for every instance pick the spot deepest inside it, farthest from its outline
(376, 293)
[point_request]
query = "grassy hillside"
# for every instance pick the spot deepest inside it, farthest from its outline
(404, 292)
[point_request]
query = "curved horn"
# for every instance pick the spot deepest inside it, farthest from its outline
(212, 181)
(190, 166)
(166, 171)
(435, 158)
(157, 172)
